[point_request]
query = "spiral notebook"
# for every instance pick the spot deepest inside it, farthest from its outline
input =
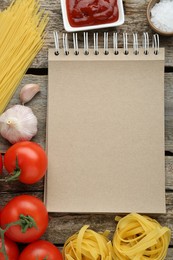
(105, 130)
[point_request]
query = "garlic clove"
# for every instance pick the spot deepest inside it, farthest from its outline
(28, 92)
(18, 123)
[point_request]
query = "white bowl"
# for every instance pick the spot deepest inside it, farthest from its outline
(69, 28)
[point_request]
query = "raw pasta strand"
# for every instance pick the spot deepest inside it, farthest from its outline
(10, 50)
(79, 241)
(21, 38)
(140, 237)
(20, 64)
(88, 245)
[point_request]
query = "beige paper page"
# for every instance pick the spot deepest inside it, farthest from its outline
(105, 133)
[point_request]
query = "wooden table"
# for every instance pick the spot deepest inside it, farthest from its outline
(61, 226)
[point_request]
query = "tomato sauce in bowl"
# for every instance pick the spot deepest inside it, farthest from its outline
(91, 12)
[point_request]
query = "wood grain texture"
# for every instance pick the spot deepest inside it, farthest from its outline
(64, 225)
(61, 226)
(16, 186)
(39, 107)
(169, 254)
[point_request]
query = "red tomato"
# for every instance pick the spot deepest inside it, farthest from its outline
(40, 250)
(28, 206)
(11, 250)
(31, 160)
(1, 164)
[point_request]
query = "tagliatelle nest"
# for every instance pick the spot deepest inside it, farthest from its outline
(88, 245)
(140, 237)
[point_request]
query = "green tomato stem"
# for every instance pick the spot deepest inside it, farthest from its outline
(15, 174)
(3, 249)
(45, 258)
(25, 222)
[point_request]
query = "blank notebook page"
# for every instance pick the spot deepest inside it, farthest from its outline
(105, 133)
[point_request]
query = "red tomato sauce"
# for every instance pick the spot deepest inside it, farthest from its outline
(91, 12)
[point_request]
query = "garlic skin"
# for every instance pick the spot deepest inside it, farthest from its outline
(18, 123)
(28, 92)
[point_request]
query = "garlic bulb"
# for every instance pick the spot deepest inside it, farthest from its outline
(18, 123)
(28, 92)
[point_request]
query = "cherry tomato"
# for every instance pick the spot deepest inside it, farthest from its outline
(29, 158)
(40, 250)
(11, 250)
(1, 164)
(20, 207)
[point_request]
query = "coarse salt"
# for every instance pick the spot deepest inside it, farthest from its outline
(162, 15)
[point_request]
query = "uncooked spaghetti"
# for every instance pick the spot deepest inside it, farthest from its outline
(21, 38)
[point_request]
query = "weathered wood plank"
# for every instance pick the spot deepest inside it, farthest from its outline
(16, 186)
(19, 187)
(169, 173)
(169, 94)
(170, 254)
(7, 196)
(135, 21)
(168, 257)
(39, 107)
(61, 226)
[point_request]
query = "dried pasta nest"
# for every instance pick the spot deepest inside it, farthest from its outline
(88, 245)
(140, 237)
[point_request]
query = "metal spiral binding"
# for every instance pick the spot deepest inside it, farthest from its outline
(86, 49)
(96, 48)
(56, 40)
(156, 44)
(106, 43)
(135, 44)
(115, 43)
(75, 44)
(65, 44)
(145, 43)
(125, 44)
